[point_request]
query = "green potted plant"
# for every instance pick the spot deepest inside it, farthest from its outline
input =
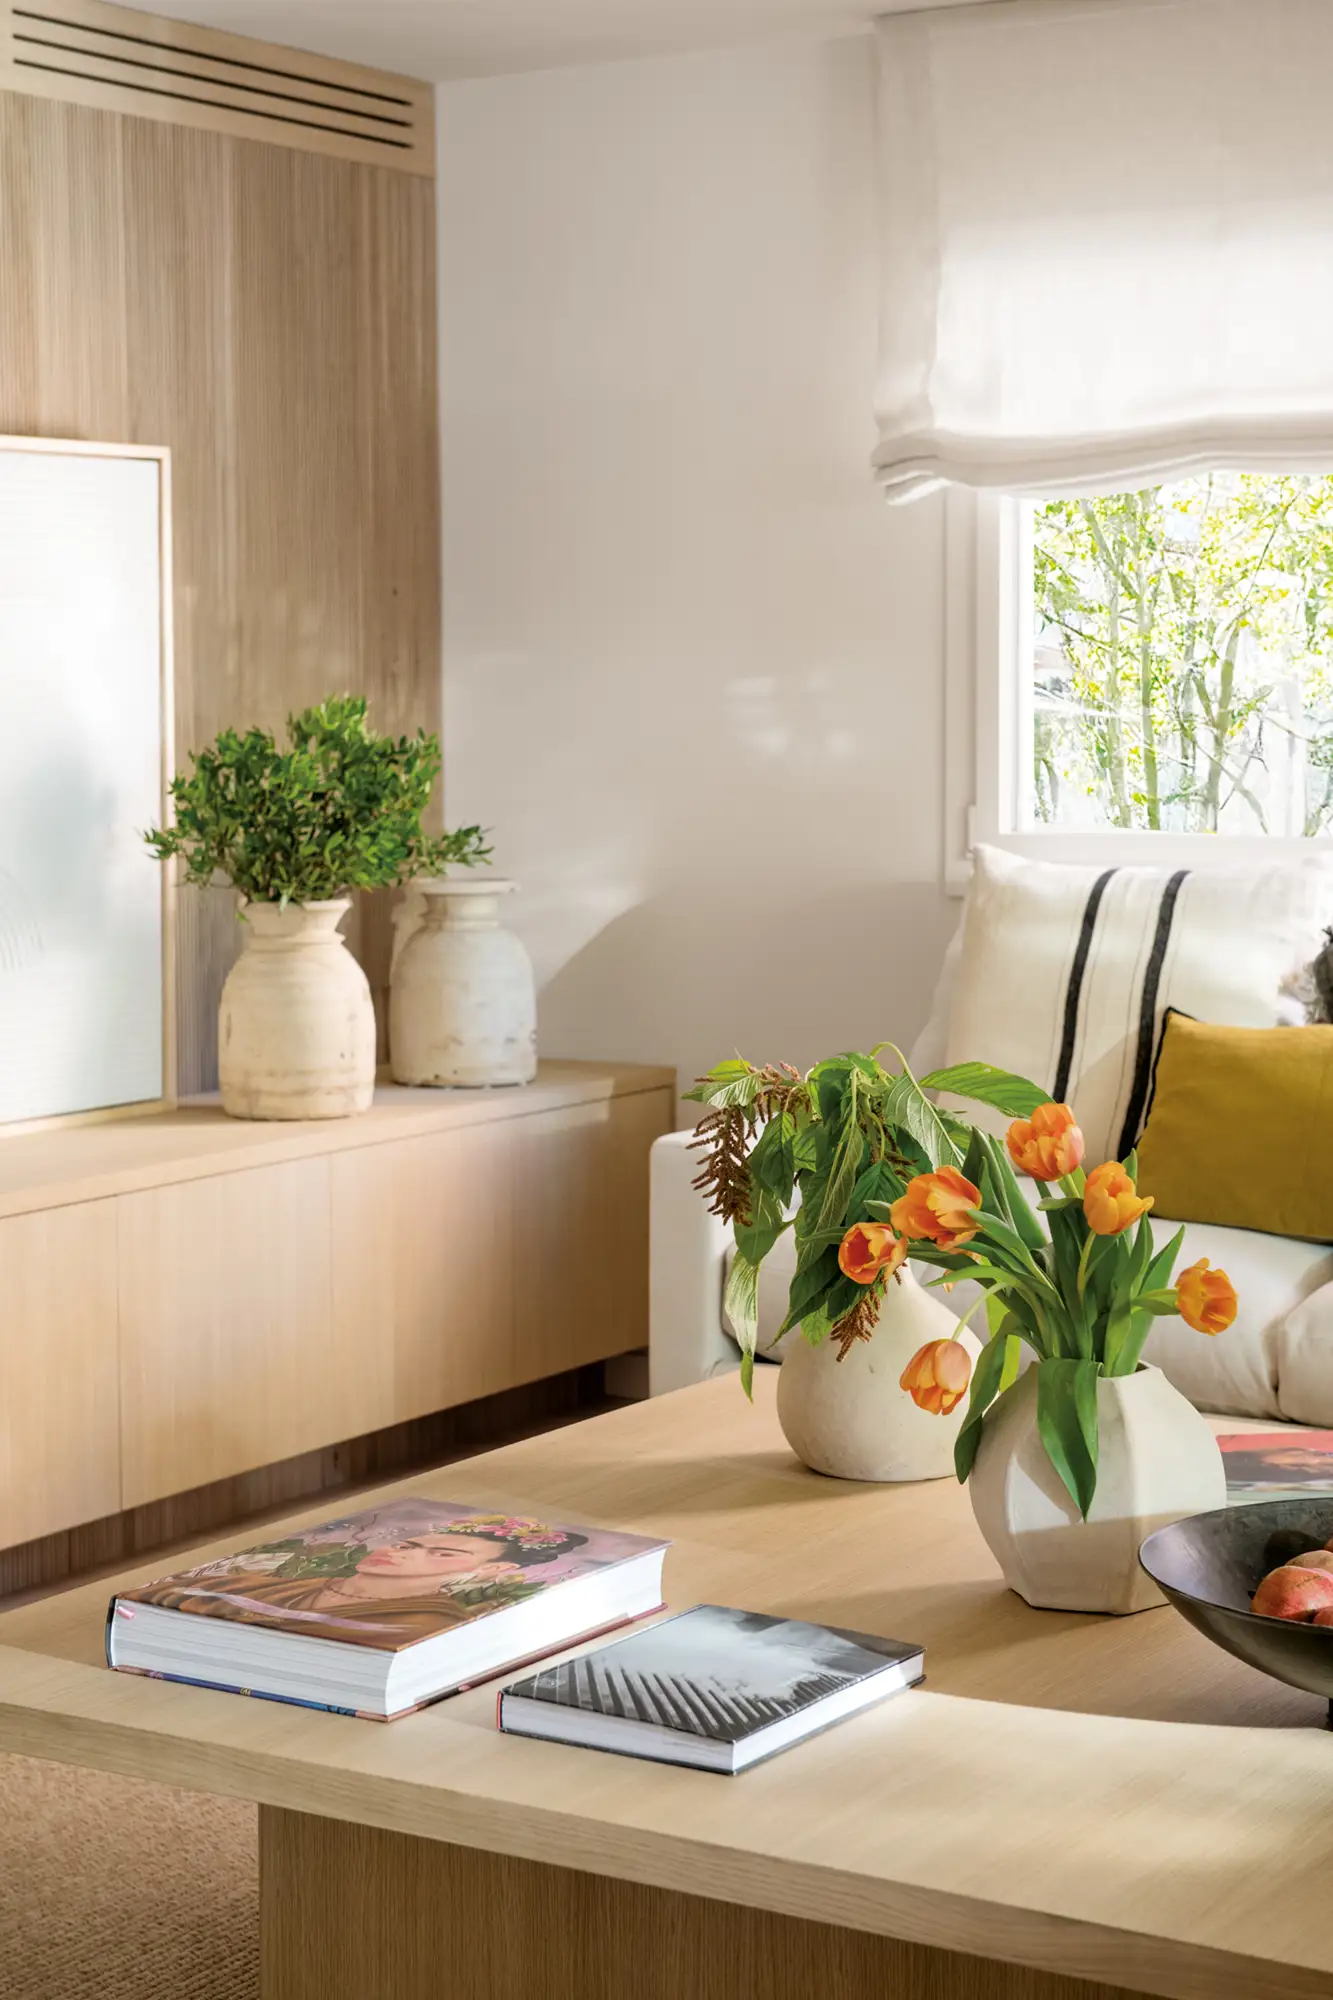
(294, 830)
(1072, 1461)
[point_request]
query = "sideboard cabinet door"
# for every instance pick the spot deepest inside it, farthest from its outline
(59, 1443)
(423, 1260)
(496, 1254)
(228, 1355)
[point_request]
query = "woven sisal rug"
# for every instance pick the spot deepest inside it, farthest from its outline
(111, 1889)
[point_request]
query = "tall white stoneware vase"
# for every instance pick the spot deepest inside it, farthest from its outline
(1157, 1461)
(850, 1418)
(462, 1003)
(296, 1028)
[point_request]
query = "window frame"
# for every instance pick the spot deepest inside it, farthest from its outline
(988, 716)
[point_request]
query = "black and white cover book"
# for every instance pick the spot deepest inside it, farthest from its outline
(711, 1687)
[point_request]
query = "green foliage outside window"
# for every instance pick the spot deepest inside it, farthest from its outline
(338, 808)
(1183, 670)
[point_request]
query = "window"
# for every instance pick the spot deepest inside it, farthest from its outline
(1151, 668)
(1182, 657)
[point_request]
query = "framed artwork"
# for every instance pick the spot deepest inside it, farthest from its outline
(86, 973)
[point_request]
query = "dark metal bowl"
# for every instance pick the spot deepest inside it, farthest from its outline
(1211, 1565)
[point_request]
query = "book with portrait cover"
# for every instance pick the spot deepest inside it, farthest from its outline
(1277, 1465)
(714, 1688)
(380, 1612)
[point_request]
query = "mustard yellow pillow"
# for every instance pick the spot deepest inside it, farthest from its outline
(1240, 1128)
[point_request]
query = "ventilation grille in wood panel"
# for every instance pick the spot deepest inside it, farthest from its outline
(114, 58)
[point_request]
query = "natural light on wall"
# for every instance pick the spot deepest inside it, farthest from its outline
(1181, 657)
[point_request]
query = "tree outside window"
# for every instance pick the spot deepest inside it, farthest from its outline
(1183, 657)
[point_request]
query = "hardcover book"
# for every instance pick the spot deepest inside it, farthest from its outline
(711, 1687)
(378, 1613)
(1276, 1465)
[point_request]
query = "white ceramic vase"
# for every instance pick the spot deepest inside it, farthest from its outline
(296, 1028)
(850, 1418)
(462, 1004)
(1157, 1461)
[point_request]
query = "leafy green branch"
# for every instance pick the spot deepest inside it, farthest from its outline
(339, 808)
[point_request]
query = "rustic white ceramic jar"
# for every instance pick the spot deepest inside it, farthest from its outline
(296, 1028)
(850, 1418)
(462, 1004)
(1157, 1461)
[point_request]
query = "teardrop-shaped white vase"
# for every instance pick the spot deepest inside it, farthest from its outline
(850, 1418)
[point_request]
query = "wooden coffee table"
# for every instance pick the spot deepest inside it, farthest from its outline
(1072, 1807)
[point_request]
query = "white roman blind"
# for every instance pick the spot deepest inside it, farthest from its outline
(1108, 242)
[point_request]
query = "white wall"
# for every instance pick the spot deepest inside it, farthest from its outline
(692, 662)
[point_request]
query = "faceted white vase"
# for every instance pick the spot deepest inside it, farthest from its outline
(296, 1028)
(850, 1418)
(462, 1004)
(1157, 1461)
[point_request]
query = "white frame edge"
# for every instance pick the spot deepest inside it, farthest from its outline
(161, 456)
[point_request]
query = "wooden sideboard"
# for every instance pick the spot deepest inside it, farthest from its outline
(184, 1297)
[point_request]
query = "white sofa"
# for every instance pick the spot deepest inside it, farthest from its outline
(1276, 1361)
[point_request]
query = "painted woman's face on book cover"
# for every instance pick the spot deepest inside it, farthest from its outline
(426, 1560)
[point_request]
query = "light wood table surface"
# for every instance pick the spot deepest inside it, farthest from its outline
(1072, 1805)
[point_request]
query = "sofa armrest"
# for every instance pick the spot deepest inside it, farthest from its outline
(688, 1246)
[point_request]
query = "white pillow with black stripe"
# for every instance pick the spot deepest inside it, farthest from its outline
(1065, 972)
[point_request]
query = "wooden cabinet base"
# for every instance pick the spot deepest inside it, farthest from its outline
(349, 1912)
(187, 1299)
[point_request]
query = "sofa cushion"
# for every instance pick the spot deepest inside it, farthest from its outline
(1065, 971)
(1273, 1349)
(1305, 1360)
(1240, 1128)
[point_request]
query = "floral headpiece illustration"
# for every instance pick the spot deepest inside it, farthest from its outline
(514, 1528)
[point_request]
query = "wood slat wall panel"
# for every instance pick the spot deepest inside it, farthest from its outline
(269, 315)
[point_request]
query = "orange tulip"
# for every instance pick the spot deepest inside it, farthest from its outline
(1048, 1145)
(1111, 1201)
(869, 1248)
(937, 1376)
(938, 1206)
(1205, 1299)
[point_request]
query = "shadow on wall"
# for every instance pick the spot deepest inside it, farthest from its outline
(690, 976)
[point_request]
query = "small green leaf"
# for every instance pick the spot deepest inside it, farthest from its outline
(985, 1084)
(1067, 1424)
(733, 1090)
(846, 1165)
(754, 1239)
(814, 1278)
(876, 1190)
(1160, 1269)
(987, 1380)
(1016, 1204)
(905, 1104)
(717, 1078)
(773, 1161)
(740, 1302)
(1013, 1357)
